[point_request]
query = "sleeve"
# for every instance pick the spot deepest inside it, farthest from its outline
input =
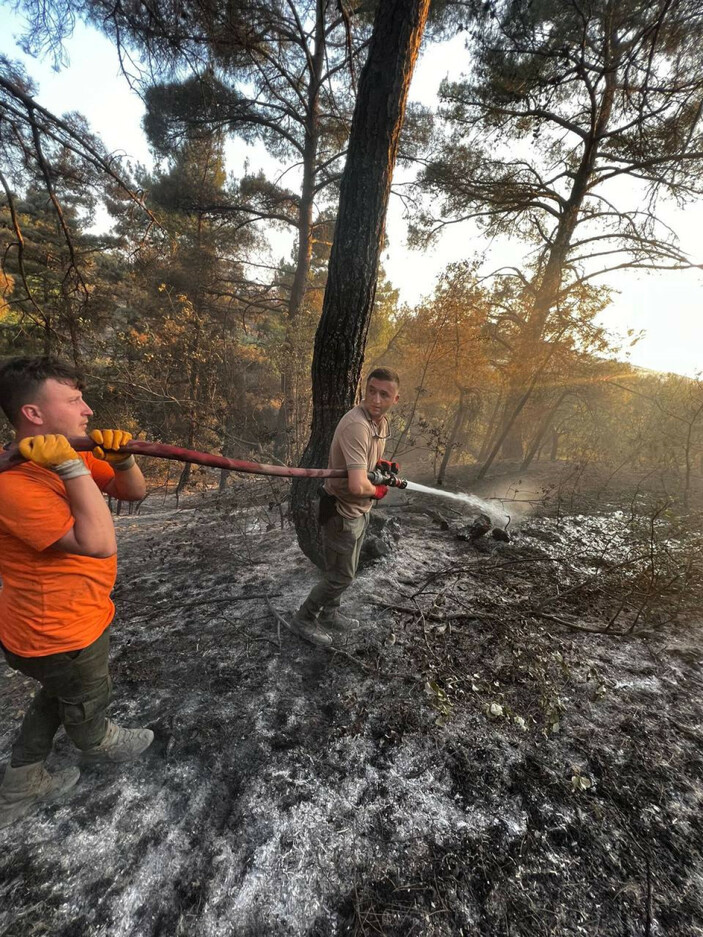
(32, 511)
(102, 472)
(354, 443)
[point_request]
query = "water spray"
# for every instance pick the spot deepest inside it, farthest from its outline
(391, 478)
(499, 518)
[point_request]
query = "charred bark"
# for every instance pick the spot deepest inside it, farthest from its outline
(539, 437)
(492, 428)
(469, 404)
(535, 446)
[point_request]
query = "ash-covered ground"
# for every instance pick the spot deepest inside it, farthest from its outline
(511, 745)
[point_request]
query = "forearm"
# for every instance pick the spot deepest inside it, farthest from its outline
(93, 532)
(128, 484)
(359, 484)
(368, 490)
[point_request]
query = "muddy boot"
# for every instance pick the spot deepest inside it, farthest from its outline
(337, 621)
(27, 787)
(306, 626)
(120, 744)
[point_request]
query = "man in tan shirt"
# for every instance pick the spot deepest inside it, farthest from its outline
(358, 444)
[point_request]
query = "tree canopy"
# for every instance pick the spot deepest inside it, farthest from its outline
(573, 122)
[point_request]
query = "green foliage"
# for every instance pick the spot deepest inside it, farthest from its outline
(560, 101)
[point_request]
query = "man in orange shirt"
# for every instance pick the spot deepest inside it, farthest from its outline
(58, 565)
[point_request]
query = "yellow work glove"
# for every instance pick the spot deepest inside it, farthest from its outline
(109, 440)
(53, 452)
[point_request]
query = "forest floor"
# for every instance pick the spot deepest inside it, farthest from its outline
(510, 745)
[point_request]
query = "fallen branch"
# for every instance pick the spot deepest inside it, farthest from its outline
(280, 619)
(597, 575)
(404, 608)
(574, 627)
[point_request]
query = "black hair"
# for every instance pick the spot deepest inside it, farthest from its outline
(384, 374)
(21, 378)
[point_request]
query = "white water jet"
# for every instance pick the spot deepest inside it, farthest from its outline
(499, 518)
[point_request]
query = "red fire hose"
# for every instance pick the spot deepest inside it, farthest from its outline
(12, 457)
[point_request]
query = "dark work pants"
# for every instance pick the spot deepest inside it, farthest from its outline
(342, 539)
(74, 692)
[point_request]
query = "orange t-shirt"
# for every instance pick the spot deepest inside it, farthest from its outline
(51, 602)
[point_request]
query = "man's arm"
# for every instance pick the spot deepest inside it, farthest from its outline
(354, 442)
(127, 485)
(93, 533)
(359, 484)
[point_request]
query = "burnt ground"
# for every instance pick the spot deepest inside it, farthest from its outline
(511, 745)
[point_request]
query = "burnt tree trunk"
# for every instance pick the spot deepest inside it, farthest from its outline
(469, 403)
(538, 440)
(687, 455)
(492, 428)
(353, 268)
(228, 428)
(419, 391)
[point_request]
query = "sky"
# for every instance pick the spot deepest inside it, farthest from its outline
(666, 306)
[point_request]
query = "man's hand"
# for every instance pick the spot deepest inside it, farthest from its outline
(128, 483)
(388, 468)
(53, 452)
(47, 451)
(381, 492)
(386, 473)
(109, 441)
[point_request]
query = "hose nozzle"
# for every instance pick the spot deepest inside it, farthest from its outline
(379, 477)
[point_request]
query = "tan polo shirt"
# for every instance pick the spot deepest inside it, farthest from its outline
(358, 443)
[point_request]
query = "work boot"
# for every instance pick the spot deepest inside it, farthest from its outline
(120, 744)
(306, 626)
(29, 786)
(336, 620)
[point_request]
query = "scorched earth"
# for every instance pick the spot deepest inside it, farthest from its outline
(496, 752)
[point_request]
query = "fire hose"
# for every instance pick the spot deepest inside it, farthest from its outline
(11, 458)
